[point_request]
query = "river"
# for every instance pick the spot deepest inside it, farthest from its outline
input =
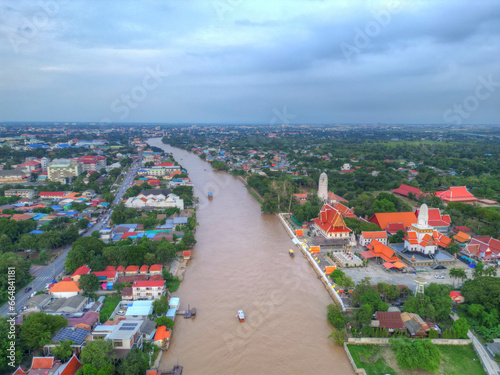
(241, 261)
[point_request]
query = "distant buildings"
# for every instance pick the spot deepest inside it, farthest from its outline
(143, 290)
(367, 237)
(456, 194)
(92, 162)
(23, 193)
(141, 201)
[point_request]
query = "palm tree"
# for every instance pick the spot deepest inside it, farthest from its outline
(461, 274)
(490, 271)
(455, 274)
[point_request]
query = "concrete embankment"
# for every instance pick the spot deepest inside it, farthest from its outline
(321, 275)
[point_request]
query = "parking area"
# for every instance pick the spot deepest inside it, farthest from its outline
(377, 273)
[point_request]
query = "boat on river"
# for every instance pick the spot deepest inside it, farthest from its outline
(291, 252)
(241, 316)
(210, 196)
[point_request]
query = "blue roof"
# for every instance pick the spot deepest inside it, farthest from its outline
(68, 212)
(56, 207)
(180, 220)
(171, 312)
(37, 231)
(39, 216)
(117, 237)
(77, 335)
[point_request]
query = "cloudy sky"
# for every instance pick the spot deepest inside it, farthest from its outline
(250, 61)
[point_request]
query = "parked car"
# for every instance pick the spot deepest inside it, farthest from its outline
(121, 312)
(27, 289)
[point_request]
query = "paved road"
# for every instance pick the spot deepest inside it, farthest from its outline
(46, 275)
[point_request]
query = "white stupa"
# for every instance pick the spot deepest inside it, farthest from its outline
(323, 187)
(420, 236)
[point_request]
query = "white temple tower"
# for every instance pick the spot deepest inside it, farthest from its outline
(323, 187)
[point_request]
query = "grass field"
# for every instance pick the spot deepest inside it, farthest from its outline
(380, 360)
(108, 306)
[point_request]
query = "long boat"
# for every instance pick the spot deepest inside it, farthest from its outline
(210, 196)
(241, 316)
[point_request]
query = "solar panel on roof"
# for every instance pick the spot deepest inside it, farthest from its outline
(126, 328)
(129, 324)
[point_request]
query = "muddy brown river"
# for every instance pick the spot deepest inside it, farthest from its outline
(241, 261)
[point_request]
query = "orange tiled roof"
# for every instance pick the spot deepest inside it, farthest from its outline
(131, 268)
(83, 270)
(42, 362)
(330, 220)
(155, 267)
(65, 286)
(461, 237)
(72, 366)
(161, 333)
(380, 250)
(374, 235)
(386, 218)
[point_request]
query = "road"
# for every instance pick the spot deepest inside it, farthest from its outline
(46, 275)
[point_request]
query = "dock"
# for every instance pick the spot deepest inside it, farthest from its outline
(188, 314)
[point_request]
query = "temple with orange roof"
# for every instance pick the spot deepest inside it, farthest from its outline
(456, 194)
(420, 238)
(330, 223)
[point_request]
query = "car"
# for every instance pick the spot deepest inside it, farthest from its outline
(121, 312)
(27, 289)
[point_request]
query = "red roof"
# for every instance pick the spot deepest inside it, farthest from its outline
(330, 220)
(186, 253)
(155, 267)
(132, 268)
(456, 194)
(144, 268)
(390, 320)
(406, 189)
(90, 159)
(120, 269)
(161, 333)
(345, 211)
(107, 274)
(110, 268)
(384, 219)
(436, 219)
(72, 366)
(167, 164)
(149, 284)
(52, 194)
(83, 270)
(30, 163)
(374, 235)
(42, 362)
(380, 250)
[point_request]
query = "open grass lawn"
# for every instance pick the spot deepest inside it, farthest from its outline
(380, 360)
(108, 306)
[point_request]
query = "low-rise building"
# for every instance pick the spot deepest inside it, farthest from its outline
(144, 290)
(367, 237)
(23, 193)
(65, 289)
(63, 170)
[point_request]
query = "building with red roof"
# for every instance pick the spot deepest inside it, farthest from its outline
(44, 365)
(110, 268)
(456, 194)
(155, 269)
(406, 190)
(420, 237)
(92, 162)
(144, 269)
(379, 250)
(457, 297)
(162, 336)
(132, 270)
(108, 276)
(330, 223)
(390, 320)
(83, 270)
(403, 219)
(484, 248)
(345, 211)
(440, 222)
(55, 195)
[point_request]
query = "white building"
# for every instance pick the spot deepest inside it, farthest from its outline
(420, 237)
(346, 167)
(160, 200)
(323, 187)
(367, 237)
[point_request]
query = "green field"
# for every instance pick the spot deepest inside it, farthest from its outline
(379, 360)
(108, 306)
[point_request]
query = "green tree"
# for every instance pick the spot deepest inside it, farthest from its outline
(63, 350)
(415, 355)
(99, 354)
(43, 256)
(339, 336)
(453, 248)
(479, 270)
(39, 327)
(188, 239)
(89, 283)
(83, 224)
(135, 363)
(433, 334)
(160, 305)
(364, 314)
(164, 321)
(335, 316)
(6, 338)
(483, 290)
(460, 328)
(476, 310)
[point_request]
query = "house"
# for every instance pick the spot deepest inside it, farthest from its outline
(148, 289)
(186, 254)
(88, 319)
(151, 200)
(65, 289)
(126, 336)
(75, 334)
(106, 276)
(140, 310)
(37, 303)
(21, 217)
(155, 269)
(330, 223)
(23, 193)
(367, 237)
(390, 320)
(148, 329)
(88, 194)
(407, 191)
(386, 219)
(131, 270)
(53, 195)
(144, 269)
(44, 365)
(413, 325)
(457, 297)
(162, 337)
(456, 194)
(68, 305)
(83, 270)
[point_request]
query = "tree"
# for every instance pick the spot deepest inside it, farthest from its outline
(418, 354)
(483, 290)
(38, 328)
(109, 197)
(160, 305)
(63, 350)
(99, 354)
(364, 314)
(135, 363)
(43, 256)
(476, 310)
(479, 270)
(453, 248)
(188, 239)
(6, 338)
(454, 273)
(460, 328)
(433, 334)
(335, 316)
(83, 224)
(95, 234)
(339, 336)
(89, 283)
(164, 321)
